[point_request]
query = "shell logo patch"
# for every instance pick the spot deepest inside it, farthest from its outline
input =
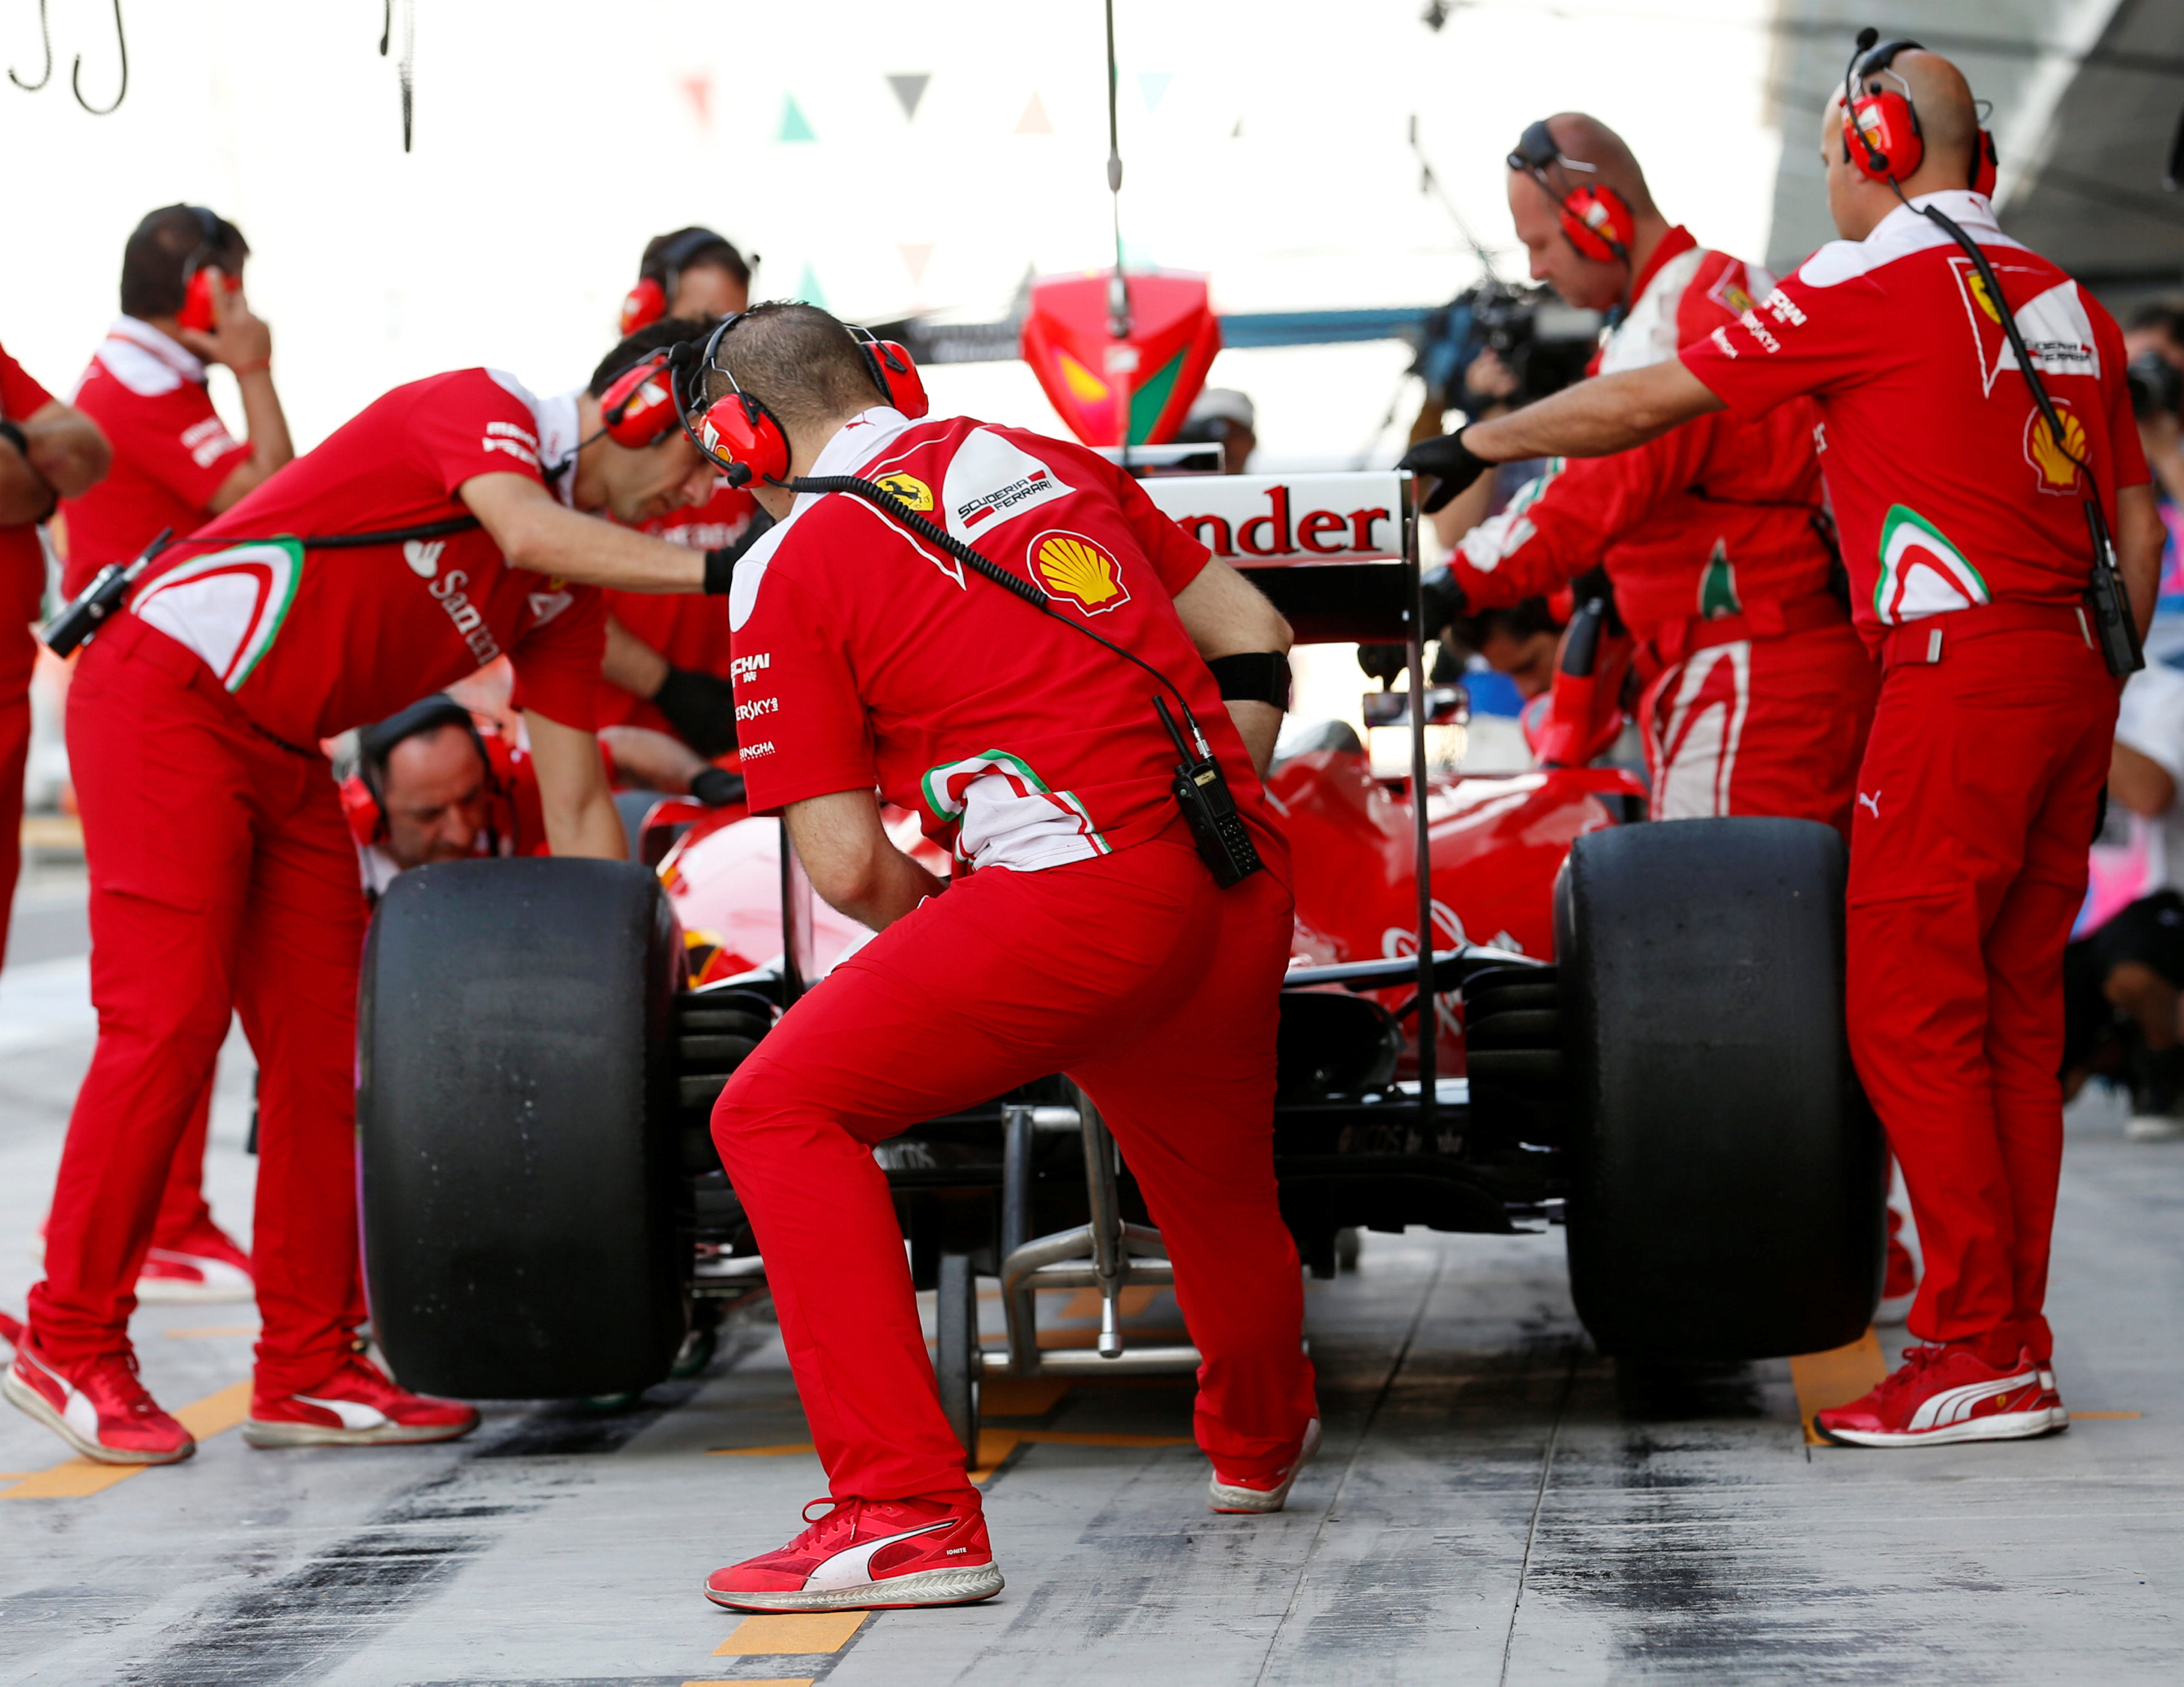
(911, 492)
(1084, 570)
(2058, 467)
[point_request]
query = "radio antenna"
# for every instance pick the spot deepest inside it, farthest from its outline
(1118, 285)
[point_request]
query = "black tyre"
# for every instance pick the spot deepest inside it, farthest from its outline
(955, 1361)
(518, 1116)
(1726, 1190)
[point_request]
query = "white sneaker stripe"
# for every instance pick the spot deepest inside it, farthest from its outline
(1953, 1405)
(355, 1414)
(854, 1568)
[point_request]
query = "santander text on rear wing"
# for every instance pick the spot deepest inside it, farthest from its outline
(1336, 552)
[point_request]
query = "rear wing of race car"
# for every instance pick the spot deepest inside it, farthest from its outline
(1337, 554)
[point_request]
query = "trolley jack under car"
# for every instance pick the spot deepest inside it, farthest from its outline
(545, 1216)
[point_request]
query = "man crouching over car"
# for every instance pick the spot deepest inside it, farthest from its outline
(1082, 933)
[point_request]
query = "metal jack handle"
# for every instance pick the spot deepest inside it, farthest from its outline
(1110, 1257)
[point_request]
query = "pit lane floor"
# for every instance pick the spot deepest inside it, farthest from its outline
(1495, 1503)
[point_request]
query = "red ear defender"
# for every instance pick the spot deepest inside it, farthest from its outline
(1598, 223)
(197, 311)
(1891, 128)
(1985, 165)
(639, 407)
(644, 304)
(898, 376)
(741, 435)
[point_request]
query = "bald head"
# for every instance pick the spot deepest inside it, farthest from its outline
(1584, 139)
(1948, 129)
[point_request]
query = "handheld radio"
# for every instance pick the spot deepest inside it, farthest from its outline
(1875, 114)
(83, 616)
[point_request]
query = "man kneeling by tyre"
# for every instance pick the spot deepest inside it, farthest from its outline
(1083, 933)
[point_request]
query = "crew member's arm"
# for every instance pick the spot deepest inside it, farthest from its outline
(2138, 549)
(1593, 418)
(699, 706)
(631, 663)
(1227, 616)
(245, 344)
(579, 810)
(847, 856)
(63, 454)
(535, 530)
(2139, 783)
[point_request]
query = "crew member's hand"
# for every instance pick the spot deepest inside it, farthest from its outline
(239, 339)
(1452, 467)
(701, 707)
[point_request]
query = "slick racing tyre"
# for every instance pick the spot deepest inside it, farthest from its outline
(957, 1364)
(518, 1111)
(1726, 1175)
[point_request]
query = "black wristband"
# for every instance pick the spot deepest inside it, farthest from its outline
(14, 435)
(717, 789)
(1256, 676)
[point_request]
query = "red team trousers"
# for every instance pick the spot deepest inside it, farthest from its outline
(222, 880)
(1760, 725)
(1156, 992)
(1968, 859)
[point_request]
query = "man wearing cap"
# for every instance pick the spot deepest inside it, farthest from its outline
(1966, 531)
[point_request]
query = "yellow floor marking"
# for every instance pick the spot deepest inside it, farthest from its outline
(2077, 1416)
(1021, 1396)
(1835, 1377)
(779, 1451)
(77, 1478)
(204, 1331)
(815, 1631)
(1085, 1303)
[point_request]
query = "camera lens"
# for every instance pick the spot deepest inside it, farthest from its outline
(2157, 386)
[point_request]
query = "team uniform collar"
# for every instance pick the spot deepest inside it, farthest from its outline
(560, 432)
(859, 440)
(1971, 212)
(162, 346)
(1675, 243)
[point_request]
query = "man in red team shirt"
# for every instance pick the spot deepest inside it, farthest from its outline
(1757, 693)
(1083, 934)
(1967, 540)
(48, 451)
(668, 655)
(177, 466)
(222, 875)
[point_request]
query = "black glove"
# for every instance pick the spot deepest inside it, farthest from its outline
(1445, 600)
(701, 708)
(721, 564)
(717, 789)
(1448, 462)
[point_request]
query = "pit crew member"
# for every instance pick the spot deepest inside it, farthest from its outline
(433, 784)
(48, 451)
(1757, 692)
(1084, 935)
(1970, 554)
(222, 877)
(667, 656)
(175, 465)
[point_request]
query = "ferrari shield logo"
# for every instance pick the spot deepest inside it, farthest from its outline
(1070, 565)
(911, 492)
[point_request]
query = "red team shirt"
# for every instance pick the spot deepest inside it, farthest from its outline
(866, 658)
(1715, 518)
(312, 642)
(171, 450)
(687, 628)
(22, 559)
(1993, 511)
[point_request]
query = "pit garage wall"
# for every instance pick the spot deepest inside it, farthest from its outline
(2083, 134)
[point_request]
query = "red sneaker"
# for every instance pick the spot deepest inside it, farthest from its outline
(99, 1408)
(1945, 1394)
(1263, 1493)
(357, 1406)
(203, 1268)
(869, 1555)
